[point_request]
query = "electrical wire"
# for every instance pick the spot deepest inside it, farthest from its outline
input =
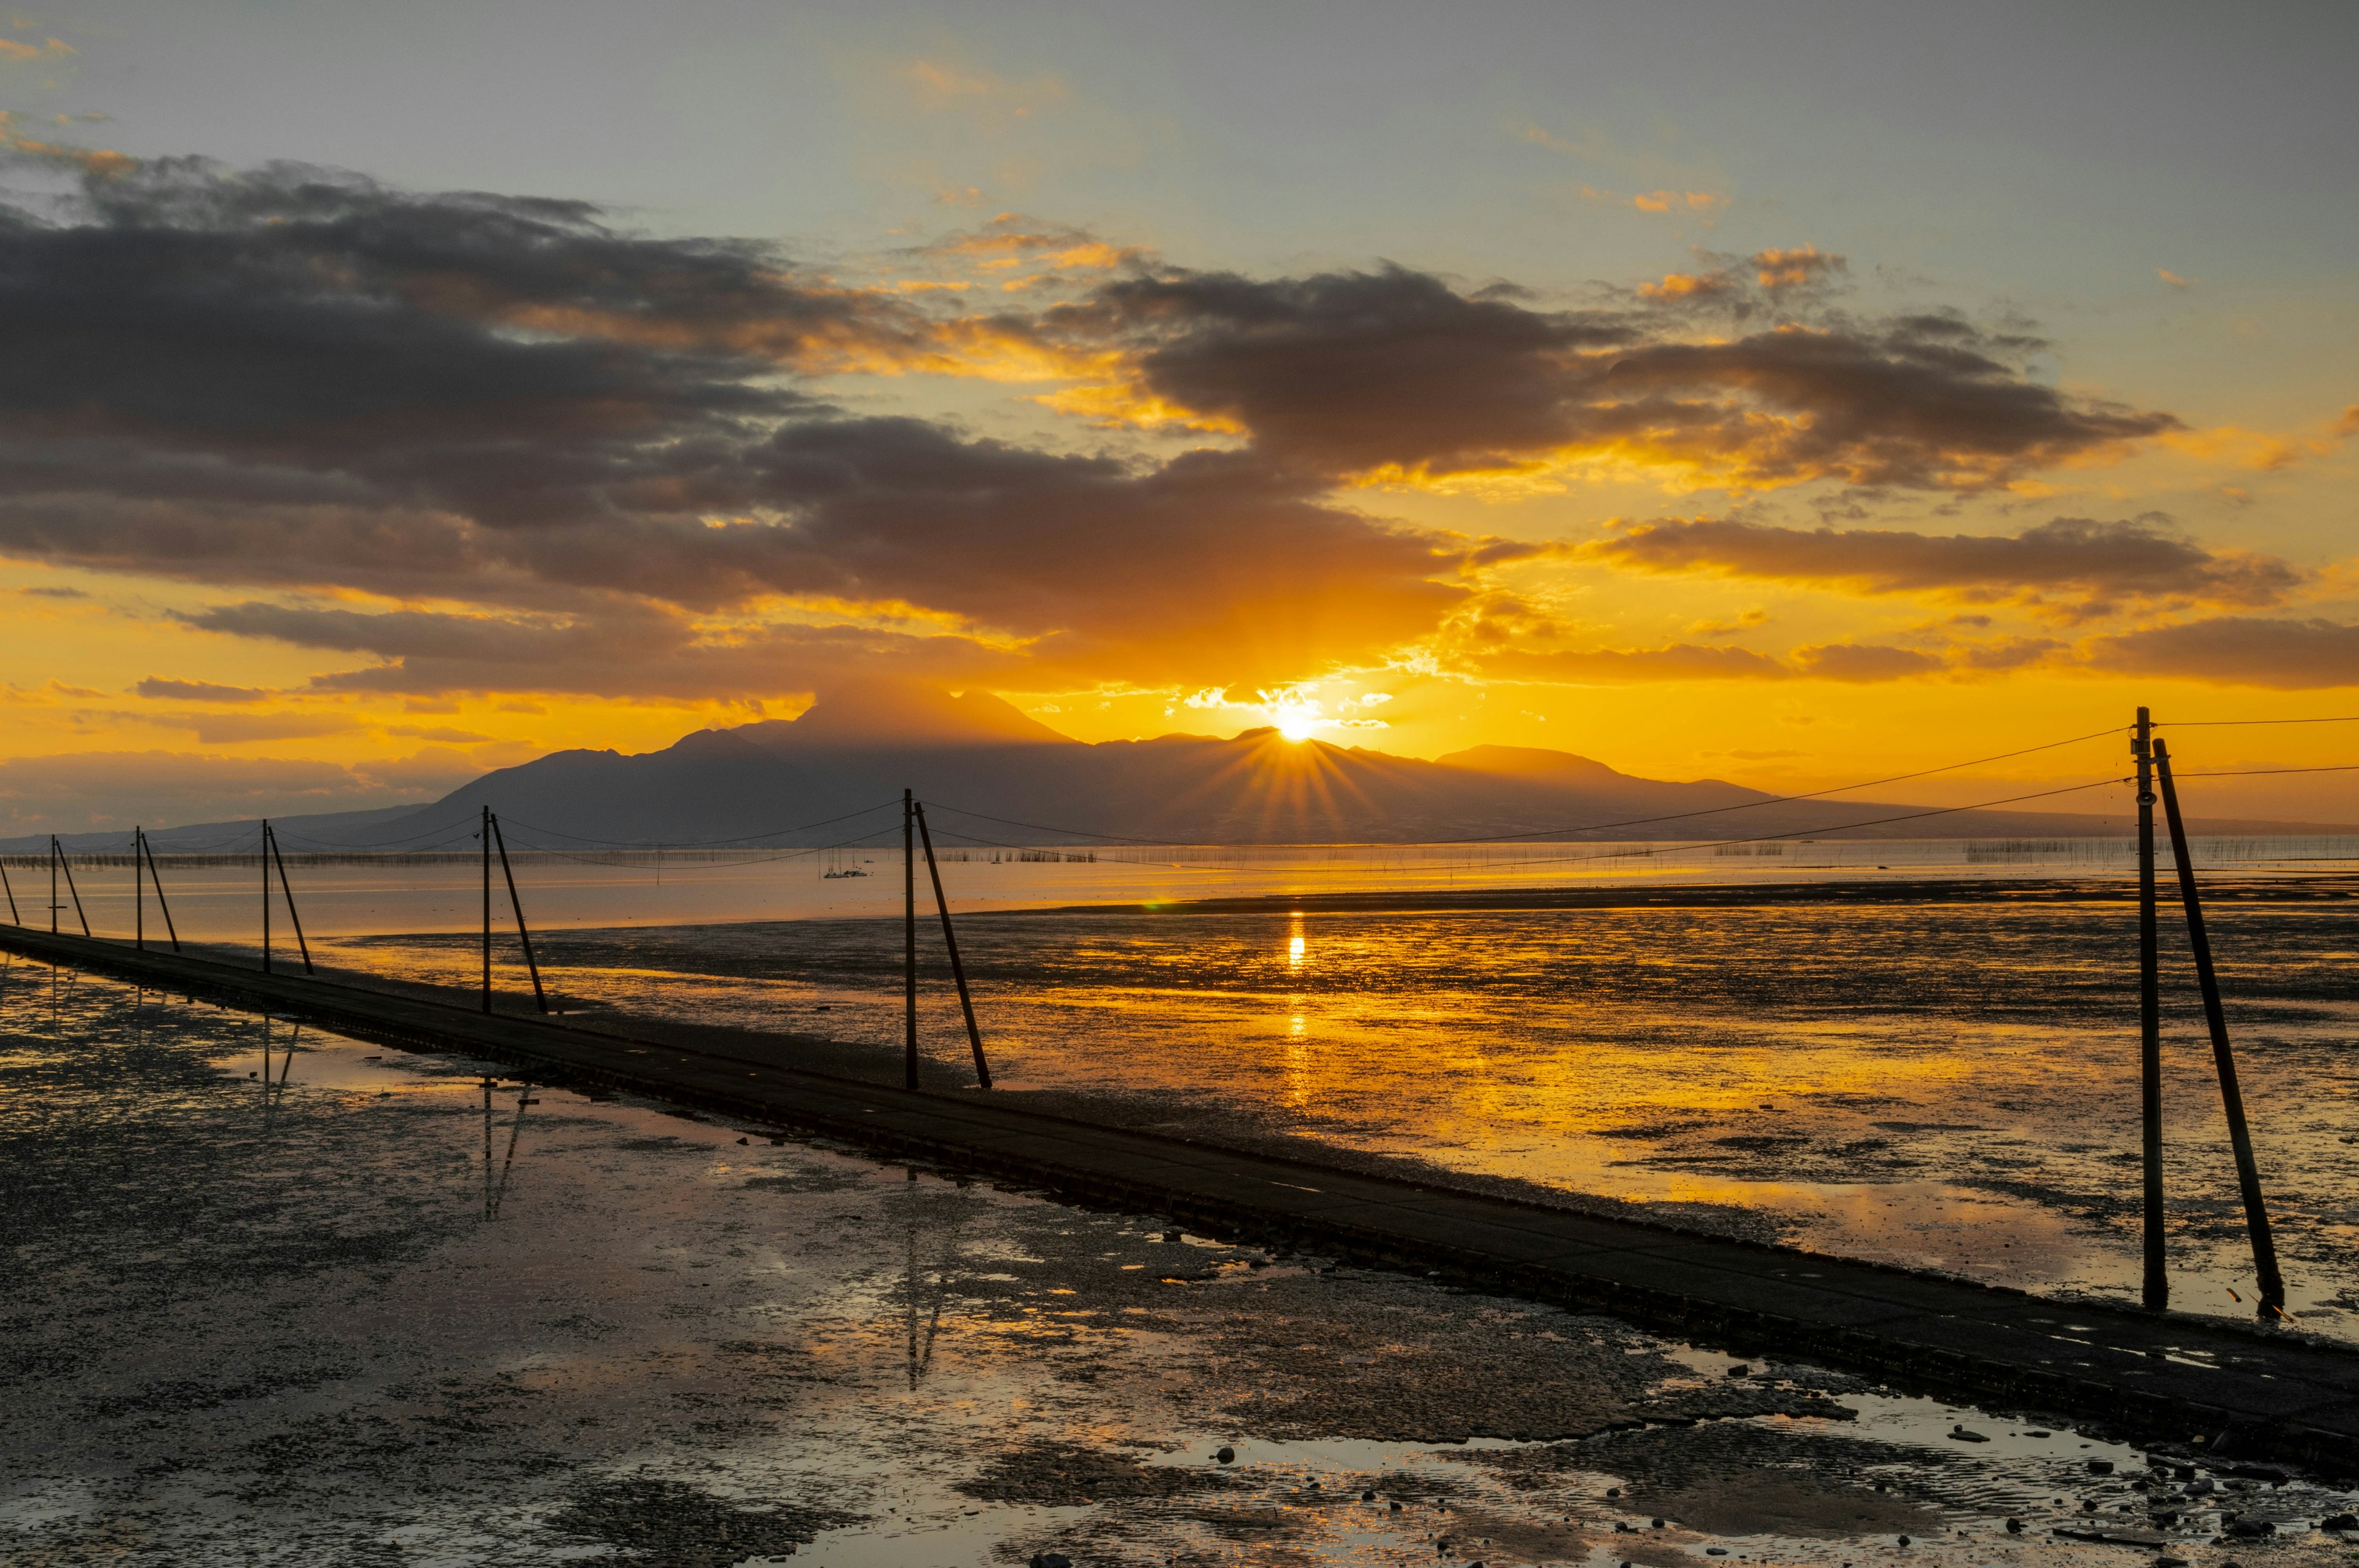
(1591, 828)
(2259, 772)
(2220, 723)
(696, 843)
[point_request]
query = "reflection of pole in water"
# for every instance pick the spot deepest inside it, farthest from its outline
(921, 1343)
(500, 1192)
(911, 1277)
(487, 1148)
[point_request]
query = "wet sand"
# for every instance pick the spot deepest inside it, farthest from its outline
(349, 1316)
(1945, 1083)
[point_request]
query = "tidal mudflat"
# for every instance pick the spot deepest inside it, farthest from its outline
(353, 1305)
(1937, 1083)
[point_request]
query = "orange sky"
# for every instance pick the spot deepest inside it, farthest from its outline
(336, 490)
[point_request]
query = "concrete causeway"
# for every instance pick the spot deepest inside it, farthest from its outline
(2186, 1384)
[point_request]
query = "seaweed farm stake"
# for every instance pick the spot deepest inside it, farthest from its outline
(2156, 1293)
(949, 940)
(2232, 1098)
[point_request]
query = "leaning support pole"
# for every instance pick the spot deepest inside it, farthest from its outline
(2232, 1098)
(909, 940)
(71, 892)
(486, 837)
(171, 930)
(271, 839)
(14, 918)
(949, 940)
(523, 930)
(2156, 1293)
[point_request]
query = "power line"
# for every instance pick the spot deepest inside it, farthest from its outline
(697, 843)
(1844, 827)
(1594, 827)
(2218, 723)
(2257, 773)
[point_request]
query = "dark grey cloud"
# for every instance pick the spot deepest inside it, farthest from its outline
(1631, 666)
(1864, 662)
(199, 691)
(2088, 566)
(2238, 650)
(1348, 373)
(626, 650)
(295, 378)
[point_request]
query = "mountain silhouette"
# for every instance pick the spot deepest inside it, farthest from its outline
(990, 774)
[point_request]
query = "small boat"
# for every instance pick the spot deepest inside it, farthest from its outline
(847, 871)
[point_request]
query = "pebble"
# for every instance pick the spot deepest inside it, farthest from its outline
(2100, 1466)
(1227, 1456)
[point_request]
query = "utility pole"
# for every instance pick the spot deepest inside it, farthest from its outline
(909, 938)
(138, 894)
(262, 859)
(2156, 1292)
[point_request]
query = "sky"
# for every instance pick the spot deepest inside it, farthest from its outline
(1786, 393)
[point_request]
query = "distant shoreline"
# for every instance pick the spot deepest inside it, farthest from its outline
(2297, 887)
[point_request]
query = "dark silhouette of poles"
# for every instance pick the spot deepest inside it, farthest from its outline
(486, 837)
(949, 940)
(2156, 1293)
(2232, 1098)
(147, 850)
(909, 940)
(14, 918)
(270, 843)
(516, 904)
(57, 861)
(138, 896)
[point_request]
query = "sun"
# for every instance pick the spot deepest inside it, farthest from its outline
(1295, 715)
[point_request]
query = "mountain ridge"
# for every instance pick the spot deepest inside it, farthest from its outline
(991, 773)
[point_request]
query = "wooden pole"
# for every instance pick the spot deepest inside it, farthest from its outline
(262, 858)
(170, 929)
(2232, 1098)
(138, 894)
(486, 837)
(516, 904)
(909, 940)
(293, 917)
(949, 940)
(2156, 1292)
(14, 918)
(73, 891)
(53, 885)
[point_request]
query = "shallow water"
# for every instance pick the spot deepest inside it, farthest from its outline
(373, 1308)
(1938, 1084)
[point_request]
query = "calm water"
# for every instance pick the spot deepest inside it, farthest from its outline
(1945, 1085)
(223, 903)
